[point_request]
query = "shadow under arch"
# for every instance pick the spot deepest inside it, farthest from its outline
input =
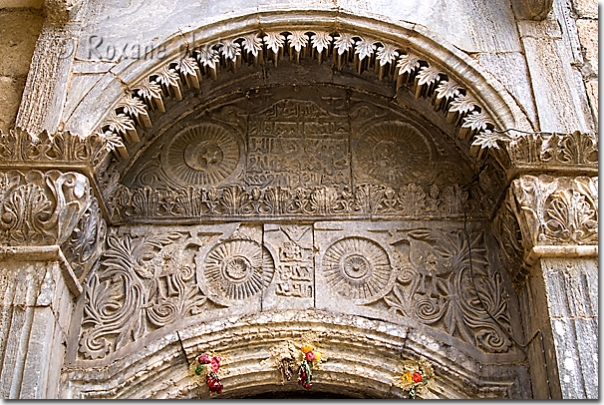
(364, 359)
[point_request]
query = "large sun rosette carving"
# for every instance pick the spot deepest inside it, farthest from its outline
(205, 154)
(236, 270)
(357, 269)
(393, 153)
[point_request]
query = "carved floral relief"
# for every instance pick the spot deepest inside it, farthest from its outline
(41, 208)
(402, 272)
(557, 210)
(437, 277)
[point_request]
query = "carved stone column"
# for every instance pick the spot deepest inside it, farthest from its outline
(50, 229)
(557, 235)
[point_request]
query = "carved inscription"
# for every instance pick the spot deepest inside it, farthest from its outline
(293, 284)
(297, 144)
(296, 267)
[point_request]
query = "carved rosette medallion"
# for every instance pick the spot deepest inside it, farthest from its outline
(357, 269)
(206, 154)
(236, 270)
(392, 152)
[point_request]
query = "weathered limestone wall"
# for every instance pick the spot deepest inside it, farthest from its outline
(20, 25)
(586, 16)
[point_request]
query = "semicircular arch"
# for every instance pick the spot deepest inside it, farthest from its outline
(363, 359)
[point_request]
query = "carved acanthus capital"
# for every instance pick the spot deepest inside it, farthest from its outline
(570, 153)
(60, 148)
(557, 210)
(532, 9)
(41, 208)
(546, 216)
(86, 243)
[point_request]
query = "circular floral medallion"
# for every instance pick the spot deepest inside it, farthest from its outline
(393, 153)
(237, 270)
(202, 155)
(357, 269)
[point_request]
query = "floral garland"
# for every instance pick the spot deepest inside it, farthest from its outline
(285, 355)
(212, 379)
(305, 370)
(416, 377)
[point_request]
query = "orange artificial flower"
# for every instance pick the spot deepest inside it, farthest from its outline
(307, 348)
(407, 377)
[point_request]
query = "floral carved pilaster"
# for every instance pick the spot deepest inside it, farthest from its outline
(51, 232)
(548, 235)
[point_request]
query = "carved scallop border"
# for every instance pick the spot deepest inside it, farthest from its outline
(406, 69)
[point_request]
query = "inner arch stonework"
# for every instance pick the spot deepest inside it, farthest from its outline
(274, 182)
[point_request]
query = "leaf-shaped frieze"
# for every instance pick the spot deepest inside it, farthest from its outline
(321, 41)
(387, 54)
(274, 41)
(343, 43)
(297, 40)
(189, 71)
(252, 44)
(364, 201)
(364, 48)
(230, 49)
(171, 79)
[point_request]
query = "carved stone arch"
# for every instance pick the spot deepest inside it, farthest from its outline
(405, 245)
(365, 358)
(427, 58)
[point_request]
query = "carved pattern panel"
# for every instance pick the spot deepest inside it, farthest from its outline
(153, 279)
(415, 271)
(312, 158)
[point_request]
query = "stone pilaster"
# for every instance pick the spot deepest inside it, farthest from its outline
(557, 235)
(42, 214)
(35, 312)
